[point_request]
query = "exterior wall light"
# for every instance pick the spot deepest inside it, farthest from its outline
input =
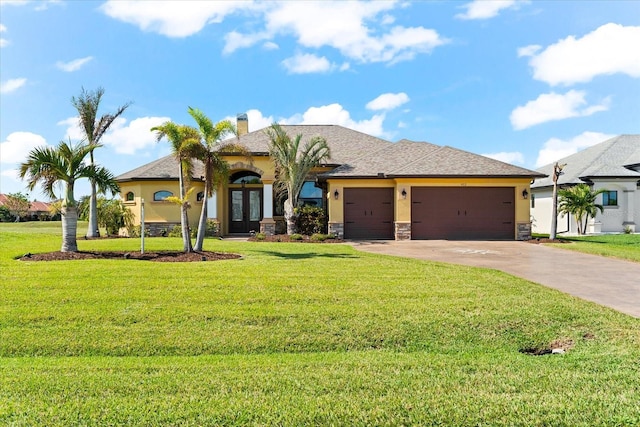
(336, 194)
(404, 193)
(525, 194)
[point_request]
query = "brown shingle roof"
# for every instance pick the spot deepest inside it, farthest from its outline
(360, 155)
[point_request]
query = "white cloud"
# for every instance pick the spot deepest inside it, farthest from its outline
(306, 63)
(388, 101)
(335, 114)
(173, 19)
(552, 106)
(44, 5)
(529, 50)
(270, 46)
(484, 9)
(3, 42)
(610, 49)
(507, 157)
(18, 145)
(349, 27)
(12, 85)
(555, 148)
(73, 132)
(137, 135)
(74, 65)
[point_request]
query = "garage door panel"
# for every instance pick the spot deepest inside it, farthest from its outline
(368, 213)
(463, 213)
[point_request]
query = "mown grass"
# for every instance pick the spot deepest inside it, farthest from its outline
(624, 246)
(298, 334)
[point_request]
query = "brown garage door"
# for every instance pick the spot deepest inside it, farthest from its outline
(460, 213)
(368, 213)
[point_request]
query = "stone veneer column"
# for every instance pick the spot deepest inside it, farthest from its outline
(337, 229)
(403, 230)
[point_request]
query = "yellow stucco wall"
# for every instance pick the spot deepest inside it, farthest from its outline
(159, 211)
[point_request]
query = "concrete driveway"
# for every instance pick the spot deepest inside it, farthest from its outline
(606, 281)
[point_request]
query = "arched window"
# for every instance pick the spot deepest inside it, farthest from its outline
(129, 197)
(244, 177)
(159, 196)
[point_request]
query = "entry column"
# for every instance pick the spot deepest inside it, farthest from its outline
(267, 225)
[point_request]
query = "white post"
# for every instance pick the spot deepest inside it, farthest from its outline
(267, 201)
(141, 226)
(212, 206)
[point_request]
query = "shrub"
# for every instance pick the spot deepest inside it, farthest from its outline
(317, 237)
(261, 236)
(295, 236)
(135, 231)
(211, 228)
(310, 220)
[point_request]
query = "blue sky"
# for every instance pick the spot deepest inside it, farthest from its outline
(526, 82)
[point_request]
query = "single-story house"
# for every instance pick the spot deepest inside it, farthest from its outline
(37, 210)
(612, 165)
(370, 188)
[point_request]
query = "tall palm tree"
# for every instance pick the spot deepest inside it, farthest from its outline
(580, 201)
(93, 128)
(216, 169)
(65, 164)
(293, 165)
(185, 144)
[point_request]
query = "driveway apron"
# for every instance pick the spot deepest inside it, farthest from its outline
(607, 281)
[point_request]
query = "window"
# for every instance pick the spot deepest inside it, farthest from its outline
(310, 194)
(244, 177)
(129, 197)
(610, 198)
(159, 196)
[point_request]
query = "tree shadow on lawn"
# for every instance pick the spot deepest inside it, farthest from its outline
(304, 255)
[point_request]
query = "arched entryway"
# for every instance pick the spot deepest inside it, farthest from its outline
(245, 202)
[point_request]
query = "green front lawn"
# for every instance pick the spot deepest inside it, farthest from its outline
(624, 246)
(298, 334)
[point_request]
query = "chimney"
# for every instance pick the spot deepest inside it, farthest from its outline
(242, 124)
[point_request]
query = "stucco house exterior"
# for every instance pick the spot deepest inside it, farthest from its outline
(612, 165)
(370, 188)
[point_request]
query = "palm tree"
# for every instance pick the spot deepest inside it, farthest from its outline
(93, 129)
(580, 201)
(65, 164)
(293, 166)
(216, 169)
(185, 143)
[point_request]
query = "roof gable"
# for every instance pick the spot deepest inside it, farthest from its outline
(618, 157)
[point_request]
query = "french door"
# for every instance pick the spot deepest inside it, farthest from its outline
(245, 211)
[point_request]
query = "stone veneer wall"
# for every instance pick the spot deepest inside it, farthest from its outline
(268, 228)
(337, 229)
(524, 231)
(403, 230)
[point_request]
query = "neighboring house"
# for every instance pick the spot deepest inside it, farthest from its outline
(612, 165)
(370, 189)
(37, 210)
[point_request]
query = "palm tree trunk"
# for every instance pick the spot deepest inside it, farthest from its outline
(69, 229)
(202, 225)
(289, 217)
(184, 217)
(93, 230)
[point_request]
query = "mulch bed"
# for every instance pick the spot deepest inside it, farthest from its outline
(547, 240)
(287, 238)
(163, 256)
